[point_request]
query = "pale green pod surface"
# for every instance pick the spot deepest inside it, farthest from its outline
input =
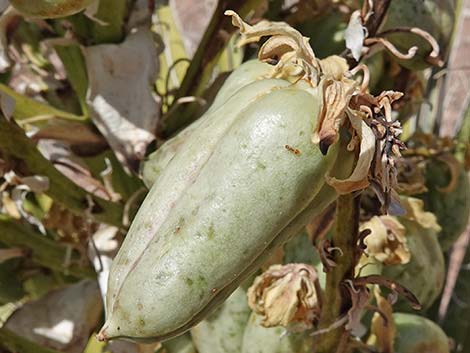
(259, 339)
(426, 258)
(222, 331)
(180, 344)
(416, 334)
(50, 8)
(249, 191)
(325, 197)
(246, 74)
(155, 162)
(177, 176)
(435, 17)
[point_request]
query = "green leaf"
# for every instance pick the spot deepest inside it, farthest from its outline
(44, 251)
(111, 14)
(16, 147)
(75, 67)
(28, 110)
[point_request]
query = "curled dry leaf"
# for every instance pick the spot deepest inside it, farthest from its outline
(411, 179)
(334, 66)
(336, 96)
(454, 167)
(394, 286)
(120, 96)
(415, 212)
(292, 50)
(387, 240)
(359, 300)
(72, 167)
(287, 295)
(359, 178)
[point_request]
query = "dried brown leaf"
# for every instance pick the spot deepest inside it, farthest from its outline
(336, 96)
(415, 212)
(359, 177)
(382, 325)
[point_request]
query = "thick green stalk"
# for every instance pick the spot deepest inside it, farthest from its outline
(336, 299)
(75, 67)
(43, 251)
(21, 153)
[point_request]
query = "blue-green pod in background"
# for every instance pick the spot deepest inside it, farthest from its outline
(259, 339)
(222, 331)
(180, 344)
(416, 334)
(426, 257)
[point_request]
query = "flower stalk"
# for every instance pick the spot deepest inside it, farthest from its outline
(336, 298)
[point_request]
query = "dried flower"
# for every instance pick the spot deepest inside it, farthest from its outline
(287, 295)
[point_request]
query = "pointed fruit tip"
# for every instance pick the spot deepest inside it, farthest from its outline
(101, 336)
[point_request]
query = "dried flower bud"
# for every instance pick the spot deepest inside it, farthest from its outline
(287, 295)
(387, 241)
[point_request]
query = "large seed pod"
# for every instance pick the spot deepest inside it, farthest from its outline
(425, 258)
(247, 73)
(50, 8)
(435, 17)
(416, 334)
(451, 207)
(218, 206)
(259, 339)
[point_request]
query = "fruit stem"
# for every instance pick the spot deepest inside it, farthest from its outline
(336, 298)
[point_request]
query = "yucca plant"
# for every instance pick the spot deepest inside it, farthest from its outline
(232, 176)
